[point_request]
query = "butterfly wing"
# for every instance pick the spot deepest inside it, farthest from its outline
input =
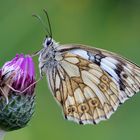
(90, 83)
(123, 71)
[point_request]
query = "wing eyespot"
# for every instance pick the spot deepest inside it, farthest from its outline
(103, 87)
(94, 102)
(124, 75)
(71, 109)
(104, 79)
(83, 108)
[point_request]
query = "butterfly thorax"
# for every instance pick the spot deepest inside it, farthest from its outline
(47, 55)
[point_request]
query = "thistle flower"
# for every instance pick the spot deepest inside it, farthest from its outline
(17, 85)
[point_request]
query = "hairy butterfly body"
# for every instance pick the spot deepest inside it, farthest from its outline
(88, 83)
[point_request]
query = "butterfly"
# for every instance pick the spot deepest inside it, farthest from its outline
(88, 83)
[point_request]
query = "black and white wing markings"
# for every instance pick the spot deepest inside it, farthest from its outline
(87, 93)
(124, 72)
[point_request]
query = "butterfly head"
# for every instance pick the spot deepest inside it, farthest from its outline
(48, 42)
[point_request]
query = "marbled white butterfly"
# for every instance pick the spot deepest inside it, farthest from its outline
(89, 83)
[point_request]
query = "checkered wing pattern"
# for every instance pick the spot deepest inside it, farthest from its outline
(90, 83)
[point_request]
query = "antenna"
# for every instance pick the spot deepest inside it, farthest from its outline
(48, 19)
(42, 22)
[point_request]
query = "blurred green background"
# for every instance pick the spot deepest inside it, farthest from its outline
(109, 24)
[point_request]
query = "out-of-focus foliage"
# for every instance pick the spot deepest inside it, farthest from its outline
(109, 24)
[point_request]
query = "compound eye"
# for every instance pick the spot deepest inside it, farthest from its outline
(49, 41)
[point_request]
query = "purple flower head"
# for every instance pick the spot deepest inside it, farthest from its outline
(17, 98)
(19, 74)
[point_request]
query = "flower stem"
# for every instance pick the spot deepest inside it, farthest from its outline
(2, 134)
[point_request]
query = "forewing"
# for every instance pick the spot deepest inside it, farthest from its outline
(90, 84)
(124, 72)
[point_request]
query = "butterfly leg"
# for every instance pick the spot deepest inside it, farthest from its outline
(41, 71)
(5, 95)
(18, 91)
(36, 53)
